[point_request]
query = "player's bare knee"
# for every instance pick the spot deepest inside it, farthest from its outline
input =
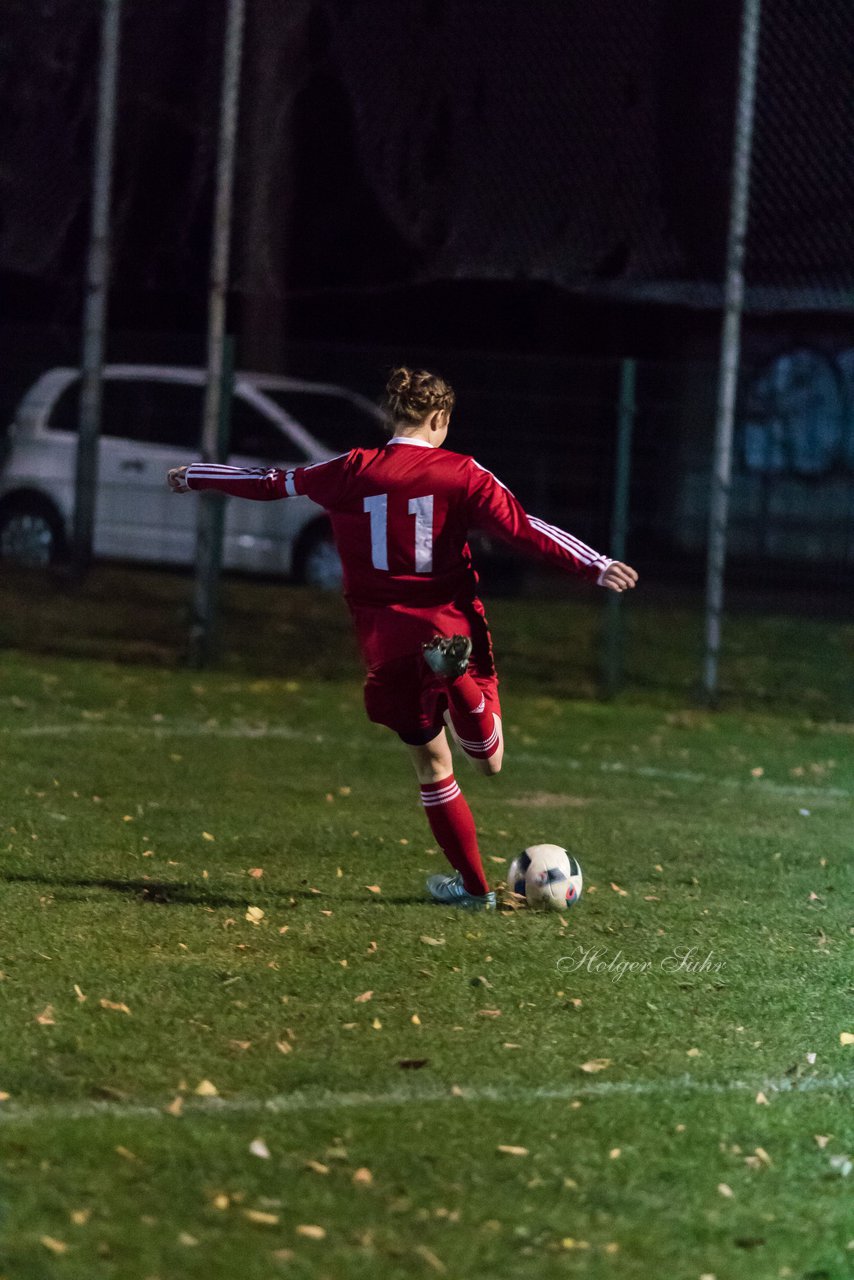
(489, 766)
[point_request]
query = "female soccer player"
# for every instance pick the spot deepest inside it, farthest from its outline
(400, 516)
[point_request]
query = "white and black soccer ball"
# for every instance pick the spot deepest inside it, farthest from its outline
(547, 876)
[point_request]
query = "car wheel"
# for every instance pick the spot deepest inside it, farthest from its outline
(319, 564)
(31, 533)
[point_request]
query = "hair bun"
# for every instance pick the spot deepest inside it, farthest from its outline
(400, 380)
(412, 393)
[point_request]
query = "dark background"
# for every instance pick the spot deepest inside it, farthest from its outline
(549, 177)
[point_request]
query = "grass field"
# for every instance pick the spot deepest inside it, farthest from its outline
(239, 1042)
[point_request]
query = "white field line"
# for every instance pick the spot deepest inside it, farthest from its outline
(248, 732)
(322, 1101)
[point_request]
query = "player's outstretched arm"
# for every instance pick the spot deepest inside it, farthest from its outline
(618, 577)
(261, 483)
(493, 508)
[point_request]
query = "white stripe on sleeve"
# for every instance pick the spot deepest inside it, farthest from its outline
(564, 539)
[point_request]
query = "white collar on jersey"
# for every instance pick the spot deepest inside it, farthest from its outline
(424, 444)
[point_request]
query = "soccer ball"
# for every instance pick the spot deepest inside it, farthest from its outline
(547, 876)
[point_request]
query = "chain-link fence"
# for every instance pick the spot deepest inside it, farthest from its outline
(547, 427)
(587, 145)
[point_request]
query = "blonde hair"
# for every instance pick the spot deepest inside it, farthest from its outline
(411, 394)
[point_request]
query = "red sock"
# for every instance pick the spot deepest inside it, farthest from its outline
(473, 723)
(454, 830)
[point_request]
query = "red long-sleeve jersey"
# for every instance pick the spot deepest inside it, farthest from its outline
(401, 515)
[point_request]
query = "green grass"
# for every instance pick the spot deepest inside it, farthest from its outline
(119, 767)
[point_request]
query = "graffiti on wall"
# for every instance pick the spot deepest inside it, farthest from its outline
(798, 415)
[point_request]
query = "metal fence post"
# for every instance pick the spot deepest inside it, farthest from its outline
(211, 516)
(612, 667)
(730, 346)
(95, 304)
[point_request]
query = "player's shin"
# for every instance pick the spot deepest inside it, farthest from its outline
(453, 829)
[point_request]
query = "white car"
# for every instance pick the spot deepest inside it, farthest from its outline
(151, 420)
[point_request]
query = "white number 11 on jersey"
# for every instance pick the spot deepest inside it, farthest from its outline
(422, 508)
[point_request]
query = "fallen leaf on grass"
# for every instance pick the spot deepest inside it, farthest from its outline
(116, 1006)
(376, 1024)
(256, 872)
(373, 888)
(595, 1064)
(240, 1045)
(53, 1245)
(80, 1216)
(624, 893)
(125, 1154)
(206, 1089)
(4, 1096)
(46, 1019)
(432, 942)
(187, 1240)
(206, 835)
(362, 1177)
(365, 996)
(311, 1232)
(693, 1053)
(846, 1037)
(489, 1013)
(760, 1098)
(260, 1218)
(284, 1047)
(415, 1020)
(79, 994)
(259, 1148)
(822, 1140)
(568, 1242)
(430, 1258)
(512, 1151)
(254, 915)
(316, 1167)
(615, 1153)
(725, 1190)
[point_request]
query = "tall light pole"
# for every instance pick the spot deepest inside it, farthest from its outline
(95, 303)
(209, 529)
(730, 345)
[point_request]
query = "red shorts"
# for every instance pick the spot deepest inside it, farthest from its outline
(404, 694)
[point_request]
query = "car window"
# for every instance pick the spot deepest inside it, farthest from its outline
(151, 412)
(142, 410)
(255, 436)
(332, 420)
(65, 414)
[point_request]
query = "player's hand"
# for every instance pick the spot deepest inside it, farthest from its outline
(618, 577)
(176, 478)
